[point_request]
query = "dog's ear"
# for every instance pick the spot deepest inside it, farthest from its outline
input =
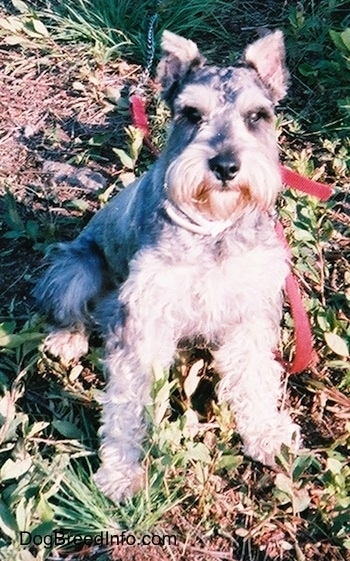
(267, 57)
(180, 57)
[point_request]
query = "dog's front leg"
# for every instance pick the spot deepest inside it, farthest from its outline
(251, 384)
(123, 426)
(131, 355)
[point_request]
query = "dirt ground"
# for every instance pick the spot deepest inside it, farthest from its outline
(49, 111)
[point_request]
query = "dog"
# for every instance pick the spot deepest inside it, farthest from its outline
(188, 250)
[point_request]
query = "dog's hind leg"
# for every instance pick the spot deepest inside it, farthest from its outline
(74, 279)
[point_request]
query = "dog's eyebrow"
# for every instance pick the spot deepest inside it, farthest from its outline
(202, 97)
(253, 100)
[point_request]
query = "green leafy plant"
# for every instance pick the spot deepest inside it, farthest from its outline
(321, 58)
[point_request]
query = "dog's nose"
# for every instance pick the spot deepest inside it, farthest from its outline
(224, 167)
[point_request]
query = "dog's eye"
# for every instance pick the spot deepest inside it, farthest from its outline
(192, 115)
(254, 117)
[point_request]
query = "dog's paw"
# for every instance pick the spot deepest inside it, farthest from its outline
(120, 484)
(265, 446)
(67, 345)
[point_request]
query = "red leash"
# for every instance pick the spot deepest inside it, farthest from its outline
(304, 353)
(308, 186)
(139, 119)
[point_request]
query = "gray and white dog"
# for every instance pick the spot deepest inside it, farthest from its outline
(189, 250)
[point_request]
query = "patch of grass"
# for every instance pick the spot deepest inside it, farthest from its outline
(318, 41)
(317, 35)
(314, 234)
(116, 29)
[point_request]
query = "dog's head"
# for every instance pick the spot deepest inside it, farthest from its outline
(222, 155)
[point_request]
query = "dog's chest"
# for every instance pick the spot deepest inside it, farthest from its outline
(229, 265)
(203, 287)
(222, 276)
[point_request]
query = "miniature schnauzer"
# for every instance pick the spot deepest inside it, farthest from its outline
(187, 251)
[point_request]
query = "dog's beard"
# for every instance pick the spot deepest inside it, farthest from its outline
(191, 184)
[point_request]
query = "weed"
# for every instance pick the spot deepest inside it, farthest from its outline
(319, 58)
(120, 28)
